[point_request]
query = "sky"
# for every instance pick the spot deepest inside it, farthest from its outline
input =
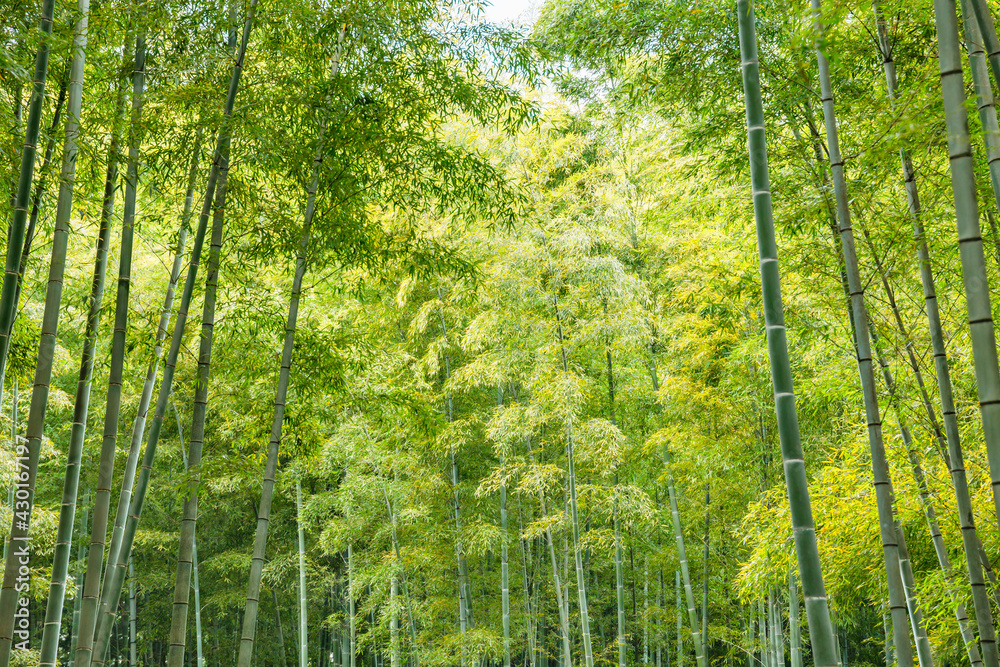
(507, 10)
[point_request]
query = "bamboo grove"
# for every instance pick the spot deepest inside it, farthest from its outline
(650, 332)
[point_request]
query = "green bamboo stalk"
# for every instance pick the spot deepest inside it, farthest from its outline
(619, 577)
(794, 631)
(680, 624)
(692, 610)
(131, 615)
(955, 456)
(252, 604)
(463, 589)
(619, 581)
(989, 35)
(64, 538)
(557, 585)
(504, 572)
(351, 611)
(581, 584)
(645, 611)
(92, 579)
(807, 554)
(880, 467)
(186, 548)
(941, 551)
(395, 655)
(969, 234)
(303, 593)
(985, 102)
(704, 582)
(40, 188)
(111, 592)
(916, 616)
(21, 520)
(80, 555)
(281, 633)
(15, 236)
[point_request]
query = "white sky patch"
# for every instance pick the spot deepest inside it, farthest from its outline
(518, 11)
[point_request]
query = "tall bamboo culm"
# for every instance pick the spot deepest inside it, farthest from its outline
(880, 466)
(252, 605)
(970, 243)
(114, 579)
(189, 514)
(15, 236)
(19, 535)
(797, 486)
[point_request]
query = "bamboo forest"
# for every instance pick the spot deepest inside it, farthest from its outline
(523, 333)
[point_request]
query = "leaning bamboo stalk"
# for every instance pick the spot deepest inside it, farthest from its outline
(913, 606)
(92, 577)
(807, 553)
(880, 466)
(970, 241)
(74, 453)
(252, 604)
(955, 456)
(131, 615)
(15, 235)
(21, 520)
(944, 560)
(985, 101)
(111, 591)
(189, 513)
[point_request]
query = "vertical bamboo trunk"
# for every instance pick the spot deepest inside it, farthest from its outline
(955, 456)
(80, 554)
(692, 610)
(989, 35)
(567, 654)
(794, 631)
(406, 589)
(916, 616)
(944, 560)
(645, 612)
(21, 520)
(199, 648)
(970, 241)
(189, 514)
(281, 393)
(880, 467)
(281, 633)
(64, 538)
(92, 579)
(581, 584)
(463, 588)
(504, 573)
(619, 576)
(807, 554)
(704, 583)
(132, 655)
(40, 189)
(112, 411)
(619, 582)
(92, 582)
(303, 593)
(395, 659)
(984, 99)
(351, 614)
(531, 644)
(680, 624)
(111, 592)
(15, 236)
